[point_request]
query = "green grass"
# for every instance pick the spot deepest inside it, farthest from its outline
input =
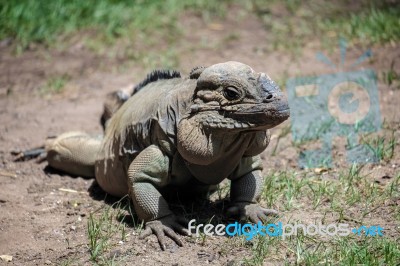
(68, 262)
(391, 77)
(373, 25)
(43, 21)
(382, 147)
(350, 198)
(349, 251)
(289, 191)
(105, 228)
(261, 248)
(54, 85)
(346, 196)
(306, 250)
(290, 23)
(293, 24)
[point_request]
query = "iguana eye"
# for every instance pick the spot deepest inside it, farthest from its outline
(231, 93)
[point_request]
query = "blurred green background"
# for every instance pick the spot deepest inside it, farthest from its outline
(48, 22)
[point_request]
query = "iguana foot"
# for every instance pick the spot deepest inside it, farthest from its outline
(166, 226)
(254, 212)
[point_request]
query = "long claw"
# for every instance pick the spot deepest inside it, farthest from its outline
(161, 237)
(262, 217)
(254, 218)
(169, 232)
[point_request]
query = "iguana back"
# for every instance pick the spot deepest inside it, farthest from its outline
(147, 118)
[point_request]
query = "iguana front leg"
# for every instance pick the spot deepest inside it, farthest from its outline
(246, 190)
(149, 171)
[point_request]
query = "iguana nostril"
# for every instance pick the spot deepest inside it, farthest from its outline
(269, 98)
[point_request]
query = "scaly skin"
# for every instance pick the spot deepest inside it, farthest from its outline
(208, 127)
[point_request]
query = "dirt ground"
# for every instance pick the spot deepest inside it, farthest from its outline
(43, 214)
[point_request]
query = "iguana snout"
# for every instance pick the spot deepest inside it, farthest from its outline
(233, 96)
(268, 109)
(261, 116)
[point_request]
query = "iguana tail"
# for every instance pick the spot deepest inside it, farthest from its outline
(39, 153)
(74, 153)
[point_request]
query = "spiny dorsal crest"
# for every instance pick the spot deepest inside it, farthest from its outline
(155, 75)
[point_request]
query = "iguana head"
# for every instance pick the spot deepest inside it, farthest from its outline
(231, 105)
(231, 96)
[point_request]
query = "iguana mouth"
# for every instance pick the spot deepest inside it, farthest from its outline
(243, 116)
(260, 114)
(217, 120)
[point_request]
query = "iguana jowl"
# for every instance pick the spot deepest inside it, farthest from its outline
(207, 127)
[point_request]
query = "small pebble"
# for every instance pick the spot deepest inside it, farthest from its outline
(6, 258)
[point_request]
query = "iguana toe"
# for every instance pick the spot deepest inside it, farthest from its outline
(166, 227)
(250, 211)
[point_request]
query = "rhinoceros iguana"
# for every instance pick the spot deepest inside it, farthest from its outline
(189, 132)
